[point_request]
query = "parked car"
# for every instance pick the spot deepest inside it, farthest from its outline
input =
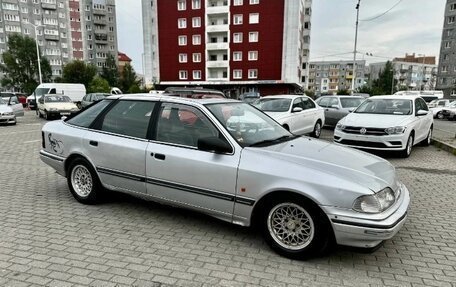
(7, 115)
(52, 106)
(337, 107)
(296, 113)
(439, 103)
(195, 92)
(427, 96)
(74, 91)
(303, 193)
(13, 102)
(249, 97)
(89, 99)
(22, 98)
(449, 112)
(394, 123)
(437, 111)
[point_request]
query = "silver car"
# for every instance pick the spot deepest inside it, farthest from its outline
(337, 107)
(10, 109)
(200, 154)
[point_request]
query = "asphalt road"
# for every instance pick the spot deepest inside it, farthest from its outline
(49, 239)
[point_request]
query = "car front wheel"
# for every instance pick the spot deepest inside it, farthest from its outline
(408, 148)
(294, 228)
(317, 130)
(83, 182)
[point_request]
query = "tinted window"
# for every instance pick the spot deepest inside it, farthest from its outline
(183, 125)
(350, 102)
(386, 107)
(307, 103)
(130, 118)
(297, 103)
(323, 102)
(86, 117)
(273, 104)
(14, 100)
(422, 105)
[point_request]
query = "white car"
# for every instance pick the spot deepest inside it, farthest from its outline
(10, 109)
(395, 123)
(53, 106)
(298, 114)
(437, 112)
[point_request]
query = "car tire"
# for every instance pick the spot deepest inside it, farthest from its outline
(316, 133)
(83, 182)
(308, 232)
(439, 116)
(428, 140)
(46, 115)
(405, 153)
(40, 115)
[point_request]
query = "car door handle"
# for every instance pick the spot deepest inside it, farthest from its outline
(93, 143)
(160, 156)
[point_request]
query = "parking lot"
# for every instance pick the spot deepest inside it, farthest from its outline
(47, 238)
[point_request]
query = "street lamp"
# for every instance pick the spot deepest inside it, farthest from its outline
(356, 43)
(37, 49)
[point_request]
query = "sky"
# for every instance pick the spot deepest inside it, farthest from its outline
(413, 26)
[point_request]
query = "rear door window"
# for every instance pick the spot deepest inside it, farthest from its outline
(323, 102)
(86, 117)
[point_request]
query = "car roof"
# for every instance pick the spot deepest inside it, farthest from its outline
(284, 96)
(343, 96)
(396, 97)
(167, 98)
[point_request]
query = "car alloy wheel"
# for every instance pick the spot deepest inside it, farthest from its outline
(81, 180)
(317, 130)
(429, 137)
(291, 226)
(439, 115)
(408, 148)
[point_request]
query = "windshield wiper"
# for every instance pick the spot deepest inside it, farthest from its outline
(273, 141)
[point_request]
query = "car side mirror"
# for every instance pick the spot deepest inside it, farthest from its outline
(297, 110)
(335, 107)
(351, 110)
(214, 144)
(422, 113)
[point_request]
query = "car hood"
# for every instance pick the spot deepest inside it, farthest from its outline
(355, 166)
(277, 115)
(60, 106)
(5, 109)
(374, 120)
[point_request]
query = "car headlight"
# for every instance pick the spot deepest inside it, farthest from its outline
(340, 127)
(375, 203)
(395, 130)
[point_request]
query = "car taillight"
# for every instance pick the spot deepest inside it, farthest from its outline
(43, 143)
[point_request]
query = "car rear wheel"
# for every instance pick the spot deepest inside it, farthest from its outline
(46, 116)
(317, 130)
(440, 115)
(408, 148)
(83, 182)
(294, 228)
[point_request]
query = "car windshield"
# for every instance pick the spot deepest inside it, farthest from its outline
(351, 102)
(249, 126)
(2, 102)
(41, 91)
(273, 104)
(385, 107)
(57, 99)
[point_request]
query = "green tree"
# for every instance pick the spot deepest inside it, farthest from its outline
(110, 71)
(343, 92)
(99, 85)
(383, 85)
(79, 72)
(128, 79)
(20, 66)
(310, 94)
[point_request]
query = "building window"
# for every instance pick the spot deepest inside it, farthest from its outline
(253, 55)
(451, 19)
(182, 23)
(237, 74)
(254, 18)
(238, 2)
(196, 4)
(237, 37)
(181, 5)
(448, 45)
(182, 40)
(452, 7)
(196, 22)
(196, 40)
(196, 57)
(237, 19)
(182, 58)
(444, 69)
(253, 2)
(253, 37)
(253, 74)
(197, 75)
(237, 56)
(183, 75)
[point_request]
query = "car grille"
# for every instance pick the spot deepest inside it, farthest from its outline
(363, 143)
(368, 131)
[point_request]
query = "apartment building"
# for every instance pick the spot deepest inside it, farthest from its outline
(410, 72)
(446, 77)
(232, 45)
(328, 77)
(66, 29)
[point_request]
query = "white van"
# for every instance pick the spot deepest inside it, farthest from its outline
(74, 91)
(427, 96)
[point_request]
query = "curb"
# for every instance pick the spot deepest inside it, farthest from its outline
(444, 146)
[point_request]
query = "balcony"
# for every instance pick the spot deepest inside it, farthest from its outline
(217, 28)
(51, 37)
(99, 11)
(101, 38)
(217, 10)
(217, 64)
(217, 46)
(49, 6)
(102, 22)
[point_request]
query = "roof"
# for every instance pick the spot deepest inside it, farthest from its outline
(396, 97)
(174, 99)
(122, 57)
(283, 96)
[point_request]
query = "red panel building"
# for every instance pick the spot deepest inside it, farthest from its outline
(76, 31)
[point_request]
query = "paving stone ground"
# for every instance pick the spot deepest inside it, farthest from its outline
(49, 239)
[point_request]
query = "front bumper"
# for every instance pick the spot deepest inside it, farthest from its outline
(356, 229)
(10, 119)
(383, 142)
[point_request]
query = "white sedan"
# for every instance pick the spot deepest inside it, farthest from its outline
(438, 111)
(298, 114)
(394, 123)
